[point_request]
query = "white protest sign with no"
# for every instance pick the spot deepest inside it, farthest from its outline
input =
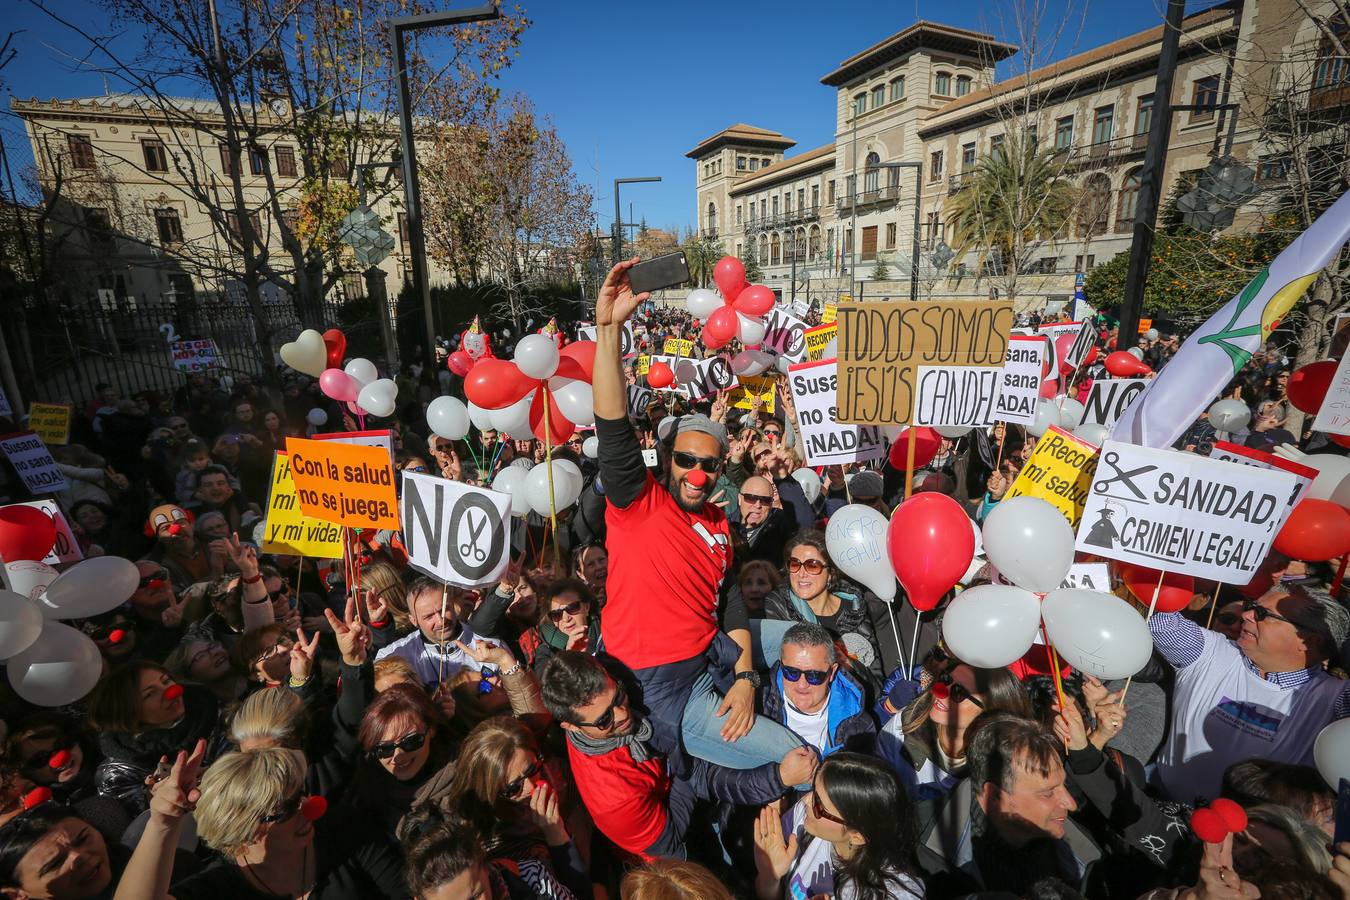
(705, 377)
(1334, 415)
(455, 532)
(1179, 512)
(34, 463)
(1108, 397)
(626, 342)
(826, 442)
(785, 334)
(1020, 380)
(956, 395)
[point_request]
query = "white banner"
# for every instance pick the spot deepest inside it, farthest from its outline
(1085, 335)
(1084, 576)
(785, 334)
(1179, 512)
(956, 395)
(194, 356)
(1108, 398)
(705, 377)
(1246, 456)
(34, 463)
(1334, 415)
(1020, 380)
(824, 441)
(455, 532)
(626, 341)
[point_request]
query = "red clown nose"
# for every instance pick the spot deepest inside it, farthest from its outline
(940, 690)
(173, 692)
(1234, 816)
(36, 797)
(60, 759)
(117, 636)
(1208, 826)
(155, 583)
(174, 529)
(698, 478)
(313, 808)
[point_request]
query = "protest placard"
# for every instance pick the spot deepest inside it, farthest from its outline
(800, 308)
(455, 532)
(1020, 380)
(825, 441)
(194, 356)
(678, 347)
(1085, 335)
(748, 387)
(347, 484)
(66, 549)
(1108, 398)
(1083, 576)
(50, 421)
(1246, 456)
(34, 463)
(1145, 325)
(1059, 471)
(818, 340)
(383, 438)
(830, 312)
(882, 345)
(639, 398)
(627, 343)
(674, 364)
(287, 530)
(704, 377)
(1179, 512)
(1333, 417)
(785, 334)
(956, 395)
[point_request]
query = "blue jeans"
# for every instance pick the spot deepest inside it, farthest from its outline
(702, 731)
(766, 641)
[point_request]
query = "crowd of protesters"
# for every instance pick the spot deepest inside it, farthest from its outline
(675, 694)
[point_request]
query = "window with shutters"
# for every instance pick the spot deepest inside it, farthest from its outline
(878, 96)
(156, 158)
(285, 161)
(967, 157)
(81, 151)
(962, 85)
(1143, 121)
(257, 160)
(869, 243)
(890, 236)
(897, 88)
(935, 166)
(229, 162)
(1128, 202)
(942, 84)
(98, 228)
(170, 227)
(1103, 124)
(1064, 133)
(1204, 92)
(859, 104)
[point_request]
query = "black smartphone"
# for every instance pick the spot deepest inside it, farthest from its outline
(660, 272)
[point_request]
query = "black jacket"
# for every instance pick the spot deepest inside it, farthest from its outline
(129, 758)
(862, 623)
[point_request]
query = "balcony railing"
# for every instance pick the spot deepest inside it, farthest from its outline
(1102, 153)
(885, 194)
(783, 220)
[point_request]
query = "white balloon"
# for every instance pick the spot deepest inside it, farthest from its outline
(1093, 433)
(511, 480)
(480, 417)
(1332, 473)
(1331, 752)
(784, 364)
(810, 483)
(1229, 415)
(1029, 542)
(448, 417)
(1136, 353)
(952, 431)
(565, 491)
(60, 667)
(750, 330)
(574, 399)
(30, 577)
(316, 417)
(573, 473)
(536, 356)
(514, 419)
(590, 447)
(1151, 334)
(379, 397)
(1070, 411)
(307, 353)
(702, 303)
(856, 540)
(1047, 414)
(91, 587)
(1098, 634)
(363, 371)
(20, 623)
(991, 625)
(751, 362)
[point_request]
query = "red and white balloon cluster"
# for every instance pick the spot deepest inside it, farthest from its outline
(514, 397)
(357, 384)
(737, 313)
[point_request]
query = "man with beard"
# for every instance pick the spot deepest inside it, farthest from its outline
(669, 550)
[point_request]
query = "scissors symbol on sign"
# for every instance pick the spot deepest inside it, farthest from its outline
(1125, 478)
(470, 547)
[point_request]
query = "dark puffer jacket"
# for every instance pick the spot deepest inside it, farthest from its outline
(859, 624)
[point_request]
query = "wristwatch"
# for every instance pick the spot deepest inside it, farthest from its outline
(751, 676)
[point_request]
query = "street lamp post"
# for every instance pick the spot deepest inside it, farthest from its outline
(412, 191)
(618, 216)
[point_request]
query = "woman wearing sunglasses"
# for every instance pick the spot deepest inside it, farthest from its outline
(811, 593)
(405, 739)
(926, 742)
(852, 837)
(569, 619)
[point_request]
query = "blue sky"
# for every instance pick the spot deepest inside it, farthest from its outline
(633, 86)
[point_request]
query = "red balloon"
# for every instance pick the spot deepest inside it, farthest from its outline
(559, 428)
(1308, 385)
(755, 300)
(1091, 356)
(729, 273)
(25, 533)
(713, 343)
(721, 325)
(496, 383)
(660, 376)
(927, 443)
(1176, 593)
(1208, 826)
(313, 808)
(1317, 530)
(1049, 388)
(1233, 815)
(577, 360)
(1342, 439)
(1123, 365)
(931, 545)
(1063, 344)
(336, 342)
(460, 363)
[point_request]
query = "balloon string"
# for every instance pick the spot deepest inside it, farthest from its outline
(914, 643)
(1054, 666)
(1152, 605)
(496, 456)
(895, 633)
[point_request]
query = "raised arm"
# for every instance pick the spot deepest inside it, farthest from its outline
(1178, 639)
(150, 869)
(622, 472)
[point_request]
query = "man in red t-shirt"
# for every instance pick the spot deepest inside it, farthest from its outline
(669, 549)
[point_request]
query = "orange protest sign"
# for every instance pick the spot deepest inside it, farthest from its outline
(346, 484)
(1145, 325)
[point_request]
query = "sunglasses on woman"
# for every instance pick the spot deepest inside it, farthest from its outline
(570, 609)
(710, 464)
(408, 744)
(818, 809)
(812, 566)
(945, 687)
(283, 591)
(813, 676)
(605, 721)
(288, 807)
(512, 789)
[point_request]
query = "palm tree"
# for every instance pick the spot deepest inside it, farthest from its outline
(1015, 201)
(702, 254)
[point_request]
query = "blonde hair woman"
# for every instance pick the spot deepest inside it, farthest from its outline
(387, 587)
(672, 879)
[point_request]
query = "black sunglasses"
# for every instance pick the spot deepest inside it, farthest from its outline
(289, 807)
(1261, 613)
(410, 744)
(605, 720)
(812, 566)
(512, 789)
(759, 499)
(813, 676)
(159, 575)
(283, 591)
(570, 609)
(944, 687)
(710, 464)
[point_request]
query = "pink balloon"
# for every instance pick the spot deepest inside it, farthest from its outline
(722, 325)
(755, 300)
(729, 273)
(354, 409)
(338, 385)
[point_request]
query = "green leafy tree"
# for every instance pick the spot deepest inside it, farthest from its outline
(702, 254)
(880, 271)
(750, 259)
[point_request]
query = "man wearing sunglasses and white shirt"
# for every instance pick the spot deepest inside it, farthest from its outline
(812, 696)
(1265, 695)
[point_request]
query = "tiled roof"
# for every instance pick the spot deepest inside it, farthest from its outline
(932, 35)
(769, 172)
(741, 132)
